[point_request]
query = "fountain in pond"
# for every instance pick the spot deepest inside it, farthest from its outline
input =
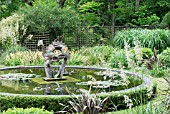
(50, 56)
(28, 80)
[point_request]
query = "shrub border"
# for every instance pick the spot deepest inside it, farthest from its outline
(138, 94)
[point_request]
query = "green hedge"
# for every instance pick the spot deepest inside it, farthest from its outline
(51, 103)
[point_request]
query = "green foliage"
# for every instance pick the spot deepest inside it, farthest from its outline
(94, 13)
(13, 49)
(26, 111)
(144, 17)
(105, 56)
(160, 71)
(76, 59)
(149, 20)
(7, 7)
(118, 59)
(49, 103)
(150, 108)
(90, 19)
(164, 57)
(147, 53)
(22, 58)
(123, 11)
(97, 55)
(90, 7)
(148, 38)
(166, 20)
(84, 1)
(45, 15)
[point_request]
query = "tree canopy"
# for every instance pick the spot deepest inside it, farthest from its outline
(101, 12)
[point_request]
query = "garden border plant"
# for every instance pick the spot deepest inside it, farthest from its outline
(139, 94)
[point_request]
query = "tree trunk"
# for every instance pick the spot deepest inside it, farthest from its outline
(113, 19)
(29, 2)
(113, 25)
(61, 3)
(137, 4)
(77, 2)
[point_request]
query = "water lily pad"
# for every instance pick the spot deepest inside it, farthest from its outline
(18, 76)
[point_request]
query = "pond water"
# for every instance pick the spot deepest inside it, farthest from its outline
(77, 80)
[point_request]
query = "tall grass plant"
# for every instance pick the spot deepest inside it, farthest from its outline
(159, 38)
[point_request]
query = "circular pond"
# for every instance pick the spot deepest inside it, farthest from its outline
(29, 80)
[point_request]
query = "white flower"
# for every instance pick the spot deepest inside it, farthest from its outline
(128, 101)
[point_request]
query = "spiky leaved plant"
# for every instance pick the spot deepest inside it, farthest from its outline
(87, 103)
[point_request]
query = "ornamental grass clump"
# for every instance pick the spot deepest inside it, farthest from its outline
(98, 55)
(24, 58)
(76, 59)
(159, 39)
(117, 58)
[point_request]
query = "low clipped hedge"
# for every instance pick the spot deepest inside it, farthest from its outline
(52, 103)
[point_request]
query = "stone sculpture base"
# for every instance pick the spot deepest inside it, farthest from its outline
(54, 79)
(42, 81)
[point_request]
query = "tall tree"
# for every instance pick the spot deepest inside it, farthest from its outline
(9, 6)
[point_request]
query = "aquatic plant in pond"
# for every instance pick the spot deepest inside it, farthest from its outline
(17, 76)
(111, 79)
(39, 86)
